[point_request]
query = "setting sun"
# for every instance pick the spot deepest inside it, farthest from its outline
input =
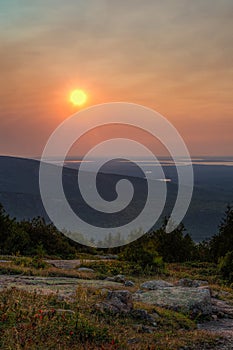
(78, 97)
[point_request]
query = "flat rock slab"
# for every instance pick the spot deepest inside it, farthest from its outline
(222, 308)
(64, 286)
(85, 269)
(223, 326)
(184, 299)
(67, 264)
(71, 264)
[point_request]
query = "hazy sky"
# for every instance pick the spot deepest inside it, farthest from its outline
(173, 56)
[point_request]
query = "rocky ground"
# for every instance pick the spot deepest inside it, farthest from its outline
(184, 295)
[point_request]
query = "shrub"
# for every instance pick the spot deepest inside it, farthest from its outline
(114, 267)
(35, 262)
(144, 255)
(174, 246)
(225, 266)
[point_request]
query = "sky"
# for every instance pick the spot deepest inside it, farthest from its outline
(174, 56)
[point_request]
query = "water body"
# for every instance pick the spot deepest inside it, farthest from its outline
(213, 186)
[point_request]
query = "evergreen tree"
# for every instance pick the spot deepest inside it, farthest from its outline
(222, 242)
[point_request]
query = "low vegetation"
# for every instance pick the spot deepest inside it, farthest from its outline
(29, 320)
(33, 321)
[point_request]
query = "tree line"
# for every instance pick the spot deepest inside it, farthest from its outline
(153, 249)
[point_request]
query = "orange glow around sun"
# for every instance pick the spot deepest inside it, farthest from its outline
(78, 97)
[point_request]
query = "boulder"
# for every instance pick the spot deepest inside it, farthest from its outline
(194, 301)
(117, 278)
(117, 301)
(155, 284)
(188, 282)
(129, 284)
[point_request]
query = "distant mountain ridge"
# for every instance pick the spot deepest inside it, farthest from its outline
(20, 194)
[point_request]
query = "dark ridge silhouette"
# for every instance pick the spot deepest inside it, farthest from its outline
(20, 195)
